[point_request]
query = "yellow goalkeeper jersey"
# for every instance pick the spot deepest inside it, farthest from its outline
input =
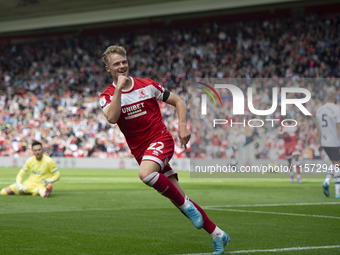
(44, 168)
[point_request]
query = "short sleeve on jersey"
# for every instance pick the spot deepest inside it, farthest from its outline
(104, 101)
(158, 91)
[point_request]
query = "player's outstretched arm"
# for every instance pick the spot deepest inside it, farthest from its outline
(183, 132)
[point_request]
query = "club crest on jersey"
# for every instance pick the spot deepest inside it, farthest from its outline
(142, 93)
(102, 101)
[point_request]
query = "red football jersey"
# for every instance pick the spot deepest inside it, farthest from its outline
(140, 119)
(291, 134)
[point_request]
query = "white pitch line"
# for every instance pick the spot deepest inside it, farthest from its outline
(264, 205)
(279, 213)
(273, 250)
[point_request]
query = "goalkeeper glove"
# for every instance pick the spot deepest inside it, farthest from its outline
(45, 181)
(21, 188)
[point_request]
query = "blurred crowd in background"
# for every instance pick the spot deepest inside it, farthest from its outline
(49, 88)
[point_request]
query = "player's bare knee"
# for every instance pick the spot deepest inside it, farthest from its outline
(147, 168)
(149, 179)
(141, 175)
(6, 191)
(144, 174)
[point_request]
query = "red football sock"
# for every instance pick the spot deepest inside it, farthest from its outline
(298, 169)
(164, 186)
(208, 225)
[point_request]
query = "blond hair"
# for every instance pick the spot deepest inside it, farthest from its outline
(331, 94)
(113, 49)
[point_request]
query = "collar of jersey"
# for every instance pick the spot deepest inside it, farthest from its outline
(126, 90)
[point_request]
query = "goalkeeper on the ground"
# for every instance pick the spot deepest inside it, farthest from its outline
(43, 172)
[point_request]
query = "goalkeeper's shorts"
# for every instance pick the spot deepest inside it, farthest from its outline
(32, 187)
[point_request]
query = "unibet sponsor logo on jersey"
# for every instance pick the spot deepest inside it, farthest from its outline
(133, 111)
(132, 108)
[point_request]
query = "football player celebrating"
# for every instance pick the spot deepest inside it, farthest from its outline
(132, 104)
(43, 172)
(290, 135)
(328, 127)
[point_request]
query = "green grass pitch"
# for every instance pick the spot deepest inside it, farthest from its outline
(113, 212)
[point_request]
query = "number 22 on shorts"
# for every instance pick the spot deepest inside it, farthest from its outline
(158, 146)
